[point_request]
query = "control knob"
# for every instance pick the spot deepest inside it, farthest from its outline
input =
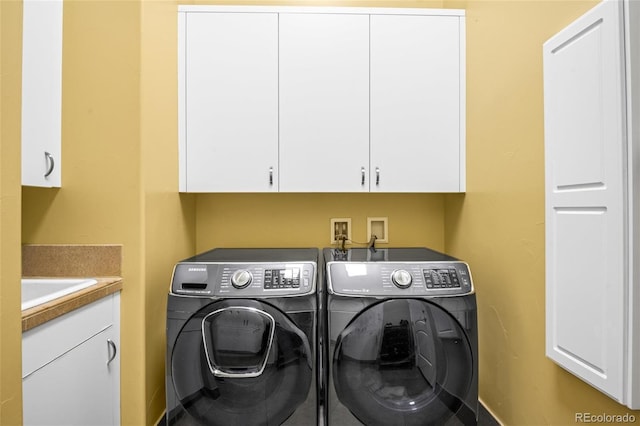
(401, 278)
(241, 278)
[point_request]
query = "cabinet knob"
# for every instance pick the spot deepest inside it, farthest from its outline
(270, 175)
(377, 175)
(362, 171)
(49, 159)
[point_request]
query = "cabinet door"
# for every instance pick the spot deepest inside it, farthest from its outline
(41, 92)
(80, 387)
(324, 102)
(229, 102)
(585, 220)
(417, 121)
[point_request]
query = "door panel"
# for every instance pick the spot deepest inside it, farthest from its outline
(415, 103)
(324, 102)
(231, 102)
(238, 336)
(585, 198)
(78, 388)
(42, 92)
(403, 362)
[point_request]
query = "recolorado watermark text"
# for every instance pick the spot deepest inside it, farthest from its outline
(604, 418)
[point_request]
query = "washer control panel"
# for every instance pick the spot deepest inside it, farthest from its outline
(244, 279)
(435, 278)
(399, 279)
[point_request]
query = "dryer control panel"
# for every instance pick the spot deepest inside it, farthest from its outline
(407, 279)
(244, 279)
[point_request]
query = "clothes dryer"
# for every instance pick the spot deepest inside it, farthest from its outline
(402, 341)
(241, 338)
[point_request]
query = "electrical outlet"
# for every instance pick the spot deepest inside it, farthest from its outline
(378, 226)
(340, 229)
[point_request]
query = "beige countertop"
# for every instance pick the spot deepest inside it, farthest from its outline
(40, 314)
(101, 262)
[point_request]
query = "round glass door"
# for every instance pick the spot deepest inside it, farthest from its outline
(241, 362)
(403, 362)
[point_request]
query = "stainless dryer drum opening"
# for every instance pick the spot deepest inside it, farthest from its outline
(237, 341)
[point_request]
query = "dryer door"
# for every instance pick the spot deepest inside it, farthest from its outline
(241, 362)
(404, 362)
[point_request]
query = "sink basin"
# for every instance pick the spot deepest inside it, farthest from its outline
(36, 291)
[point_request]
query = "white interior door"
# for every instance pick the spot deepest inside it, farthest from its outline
(585, 203)
(230, 103)
(324, 102)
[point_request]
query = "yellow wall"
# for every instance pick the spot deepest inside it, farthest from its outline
(303, 220)
(120, 174)
(168, 217)
(100, 199)
(120, 183)
(499, 225)
(10, 327)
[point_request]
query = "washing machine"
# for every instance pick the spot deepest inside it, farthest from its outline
(241, 338)
(402, 340)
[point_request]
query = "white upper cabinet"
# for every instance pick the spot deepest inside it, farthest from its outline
(303, 99)
(324, 102)
(41, 93)
(586, 232)
(417, 101)
(229, 102)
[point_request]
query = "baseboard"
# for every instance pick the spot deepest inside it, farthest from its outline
(491, 413)
(162, 421)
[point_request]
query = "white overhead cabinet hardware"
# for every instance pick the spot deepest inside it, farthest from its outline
(592, 301)
(41, 92)
(325, 99)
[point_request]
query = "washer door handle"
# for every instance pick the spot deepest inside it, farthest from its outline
(209, 345)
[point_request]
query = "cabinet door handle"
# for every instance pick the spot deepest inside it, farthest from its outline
(270, 175)
(49, 159)
(362, 171)
(111, 345)
(377, 175)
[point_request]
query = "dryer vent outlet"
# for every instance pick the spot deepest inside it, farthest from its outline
(340, 230)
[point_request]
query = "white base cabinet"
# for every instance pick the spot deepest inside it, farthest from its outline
(304, 99)
(71, 367)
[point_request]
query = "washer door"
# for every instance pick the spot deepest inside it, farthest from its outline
(241, 362)
(403, 362)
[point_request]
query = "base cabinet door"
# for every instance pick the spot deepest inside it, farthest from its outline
(71, 367)
(78, 388)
